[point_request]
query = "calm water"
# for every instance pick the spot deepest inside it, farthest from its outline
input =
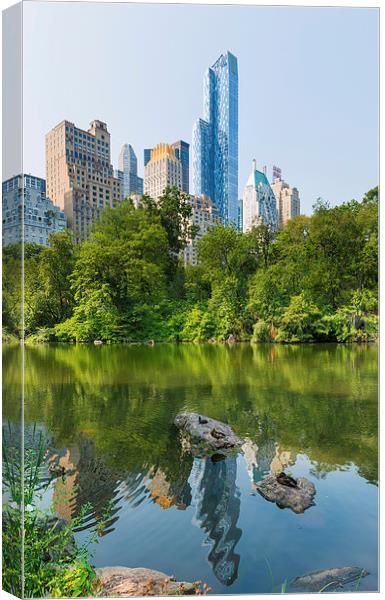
(311, 410)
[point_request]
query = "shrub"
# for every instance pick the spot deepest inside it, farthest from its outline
(44, 335)
(301, 321)
(261, 332)
(356, 321)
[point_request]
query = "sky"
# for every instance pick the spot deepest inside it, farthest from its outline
(308, 84)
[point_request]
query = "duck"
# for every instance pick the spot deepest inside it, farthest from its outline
(202, 421)
(284, 479)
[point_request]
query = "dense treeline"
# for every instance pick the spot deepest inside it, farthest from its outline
(316, 280)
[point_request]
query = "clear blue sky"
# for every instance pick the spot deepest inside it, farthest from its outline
(308, 83)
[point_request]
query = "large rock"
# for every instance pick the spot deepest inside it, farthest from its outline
(210, 433)
(123, 581)
(328, 579)
(297, 498)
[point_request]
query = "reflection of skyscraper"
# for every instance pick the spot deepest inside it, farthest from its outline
(87, 479)
(217, 511)
(215, 138)
(265, 459)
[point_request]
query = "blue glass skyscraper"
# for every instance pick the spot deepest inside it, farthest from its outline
(215, 138)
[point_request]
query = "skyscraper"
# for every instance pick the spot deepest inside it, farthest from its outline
(215, 138)
(163, 170)
(128, 164)
(182, 152)
(259, 204)
(80, 176)
(288, 201)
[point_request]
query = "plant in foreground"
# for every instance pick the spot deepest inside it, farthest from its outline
(53, 565)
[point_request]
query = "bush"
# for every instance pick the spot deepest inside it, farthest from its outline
(301, 321)
(198, 327)
(44, 335)
(95, 318)
(261, 332)
(356, 321)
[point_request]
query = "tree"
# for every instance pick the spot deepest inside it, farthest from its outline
(126, 257)
(261, 238)
(174, 210)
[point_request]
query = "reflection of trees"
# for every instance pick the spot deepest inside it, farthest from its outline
(321, 400)
(217, 512)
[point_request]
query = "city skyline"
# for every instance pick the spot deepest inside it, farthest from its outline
(307, 112)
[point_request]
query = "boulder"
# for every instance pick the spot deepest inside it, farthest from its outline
(210, 433)
(124, 581)
(328, 579)
(297, 498)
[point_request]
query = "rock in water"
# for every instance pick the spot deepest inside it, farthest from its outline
(328, 579)
(123, 581)
(297, 498)
(212, 433)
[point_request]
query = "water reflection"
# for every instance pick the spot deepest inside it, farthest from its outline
(217, 501)
(108, 413)
(207, 485)
(265, 459)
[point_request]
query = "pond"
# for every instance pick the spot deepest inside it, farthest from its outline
(309, 410)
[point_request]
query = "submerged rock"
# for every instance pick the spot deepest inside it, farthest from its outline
(211, 433)
(123, 581)
(328, 579)
(298, 498)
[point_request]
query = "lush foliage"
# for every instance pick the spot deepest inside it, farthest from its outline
(316, 280)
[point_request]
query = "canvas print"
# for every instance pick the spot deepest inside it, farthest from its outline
(190, 299)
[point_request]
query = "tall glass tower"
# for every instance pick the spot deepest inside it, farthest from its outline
(215, 138)
(128, 164)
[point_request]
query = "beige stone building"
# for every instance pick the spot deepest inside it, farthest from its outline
(288, 201)
(79, 174)
(163, 170)
(204, 215)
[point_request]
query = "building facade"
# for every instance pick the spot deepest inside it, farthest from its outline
(240, 214)
(204, 215)
(27, 194)
(182, 152)
(259, 203)
(288, 201)
(215, 139)
(163, 170)
(80, 176)
(128, 165)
